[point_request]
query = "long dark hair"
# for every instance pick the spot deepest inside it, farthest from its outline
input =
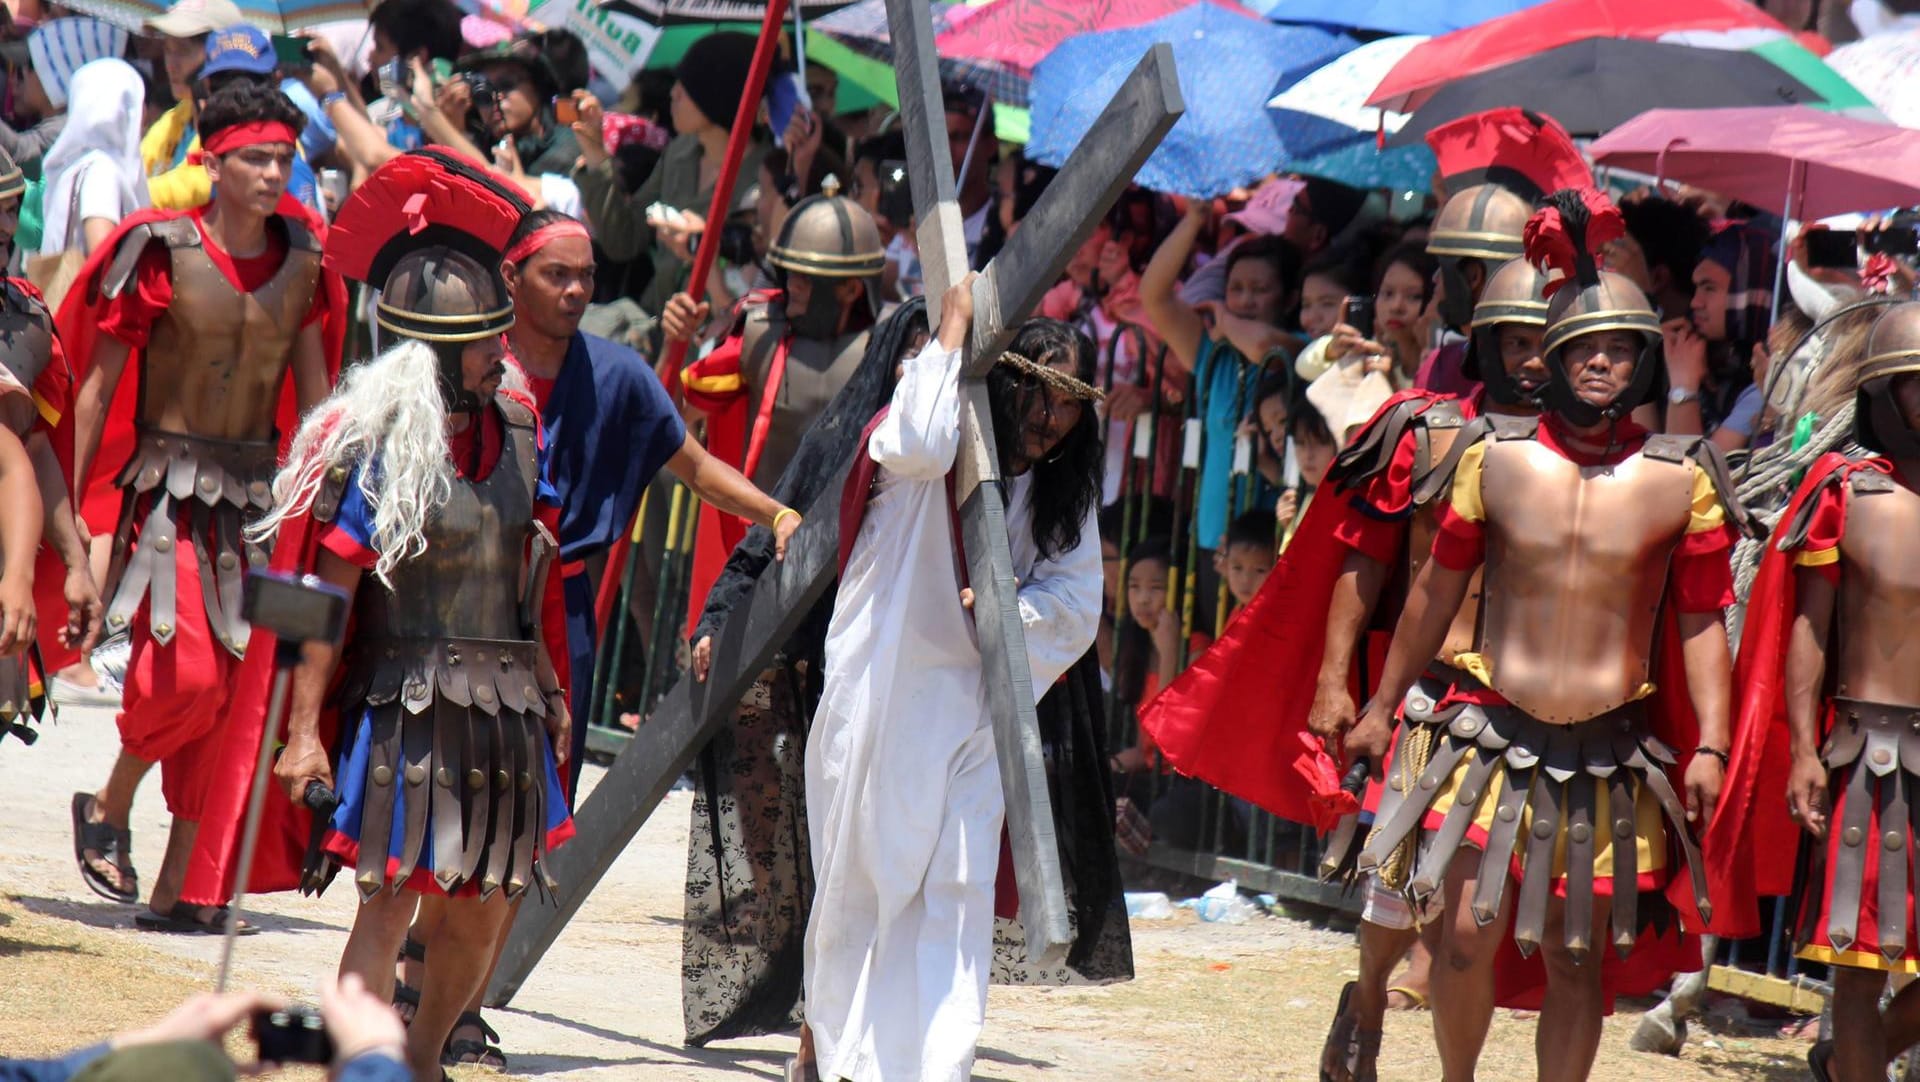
(1133, 650)
(1066, 484)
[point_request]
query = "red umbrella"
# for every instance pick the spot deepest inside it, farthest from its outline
(1021, 32)
(1795, 161)
(1559, 22)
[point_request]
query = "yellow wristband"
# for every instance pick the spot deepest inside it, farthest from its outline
(783, 513)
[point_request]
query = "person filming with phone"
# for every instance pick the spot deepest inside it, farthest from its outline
(1713, 352)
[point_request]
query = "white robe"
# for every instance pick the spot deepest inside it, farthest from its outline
(904, 805)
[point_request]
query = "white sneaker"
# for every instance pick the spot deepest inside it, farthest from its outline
(68, 693)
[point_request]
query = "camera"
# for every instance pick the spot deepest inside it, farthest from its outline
(293, 1035)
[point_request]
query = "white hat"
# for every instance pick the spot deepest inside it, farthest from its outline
(191, 18)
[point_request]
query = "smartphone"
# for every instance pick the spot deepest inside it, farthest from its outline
(1833, 248)
(294, 1035)
(1357, 312)
(1893, 240)
(291, 51)
(395, 79)
(566, 111)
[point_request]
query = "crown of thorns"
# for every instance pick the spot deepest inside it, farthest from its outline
(1052, 377)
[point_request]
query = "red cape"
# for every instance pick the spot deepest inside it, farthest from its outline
(78, 327)
(1751, 842)
(285, 827)
(1237, 717)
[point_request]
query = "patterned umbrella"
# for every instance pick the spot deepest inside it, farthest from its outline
(862, 27)
(1363, 165)
(1329, 109)
(1021, 33)
(1226, 138)
(669, 12)
(273, 16)
(1886, 68)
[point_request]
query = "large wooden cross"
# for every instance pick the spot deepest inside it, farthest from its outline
(1008, 290)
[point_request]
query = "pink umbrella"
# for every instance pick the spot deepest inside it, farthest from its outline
(1501, 41)
(1795, 161)
(1021, 33)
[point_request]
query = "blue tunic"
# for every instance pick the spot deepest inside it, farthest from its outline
(610, 428)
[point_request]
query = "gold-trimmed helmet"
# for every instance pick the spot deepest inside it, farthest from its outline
(441, 294)
(1514, 294)
(829, 236)
(1893, 349)
(1485, 221)
(1611, 302)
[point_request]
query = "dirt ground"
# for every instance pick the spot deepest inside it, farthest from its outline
(1211, 1001)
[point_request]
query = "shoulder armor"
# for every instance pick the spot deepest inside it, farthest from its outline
(1867, 482)
(299, 237)
(326, 501)
(1505, 427)
(22, 301)
(1670, 448)
(173, 232)
(514, 411)
(1373, 447)
(1438, 477)
(1444, 413)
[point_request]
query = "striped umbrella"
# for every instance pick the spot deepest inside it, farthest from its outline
(1886, 68)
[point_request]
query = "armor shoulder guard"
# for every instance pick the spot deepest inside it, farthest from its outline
(1704, 453)
(1373, 447)
(1793, 534)
(326, 499)
(1869, 482)
(514, 411)
(1504, 428)
(1444, 413)
(22, 301)
(173, 232)
(1670, 448)
(1438, 476)
(299, 237)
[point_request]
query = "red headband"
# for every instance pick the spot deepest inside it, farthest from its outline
(544, 236)
(246, 135)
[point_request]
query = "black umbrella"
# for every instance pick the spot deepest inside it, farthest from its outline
(1595, 85)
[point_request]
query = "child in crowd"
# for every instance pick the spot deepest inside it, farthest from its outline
(1329, 279)
(1246, 559)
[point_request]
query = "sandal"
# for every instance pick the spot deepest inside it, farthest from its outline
(406, 998)
(801, 1072)
(1820, 1059)
(115, 846)
(1350, 1052)
(184, 918)
(1415, 1000)
(465, 1051)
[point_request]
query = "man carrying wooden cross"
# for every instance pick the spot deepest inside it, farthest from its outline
(903, 783)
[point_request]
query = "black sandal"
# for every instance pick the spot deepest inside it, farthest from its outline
(1351, 1053)
(184, 919)
(457, 1049)
(1820, 1060)
(115, 846)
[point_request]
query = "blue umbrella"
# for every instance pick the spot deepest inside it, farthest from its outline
(1228, 64)
(1363, 165)
(1394, 16)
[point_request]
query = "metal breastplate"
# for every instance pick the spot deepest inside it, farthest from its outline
(214, 364)
(815, 371)
(1440, 435)
(1576, 570)
(26, 334)
(1879, 600)
(468, 583)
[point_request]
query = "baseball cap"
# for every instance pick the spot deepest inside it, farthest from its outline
(240, 48)
(191, 18)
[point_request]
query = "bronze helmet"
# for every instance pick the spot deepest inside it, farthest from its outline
(1893, 349)
(1483, 222)
(1514, 294)
(445, 298)
(829, 236)
(1610, 303)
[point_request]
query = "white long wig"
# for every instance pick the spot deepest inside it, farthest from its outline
(386, 416)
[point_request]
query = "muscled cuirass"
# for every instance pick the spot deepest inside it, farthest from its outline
(1436, 437)
(813, 373)
(1879, 601)
(467, 584)
(1576, 570)
(214, 364)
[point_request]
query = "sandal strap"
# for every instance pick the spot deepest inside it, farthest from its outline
(413, 950)
(472, 1018)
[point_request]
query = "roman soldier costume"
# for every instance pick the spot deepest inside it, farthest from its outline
(1560, 763)
(1849, 522)
(778, 368)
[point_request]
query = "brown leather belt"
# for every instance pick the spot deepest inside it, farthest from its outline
(1872, 755)
(207, 489)
(1553, 773)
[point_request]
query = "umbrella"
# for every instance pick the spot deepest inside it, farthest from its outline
(273, 16)
(1557, 22)
(1795, 161)
(1363, 165)
(862, 28)
(1226, 138)
(669, 12)
(1838, 94)
(1595, 85)
(1393, 16)
(1885, 68)
(1020, 33)
(1329, 107)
